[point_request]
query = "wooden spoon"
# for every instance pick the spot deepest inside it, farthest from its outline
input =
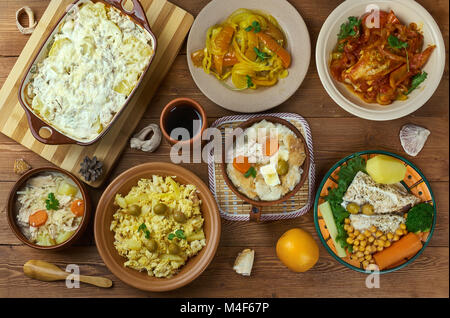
(47, 272)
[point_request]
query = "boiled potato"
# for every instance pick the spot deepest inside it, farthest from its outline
(63, 236)
(65, 188)
(44, 239)
(385, 169)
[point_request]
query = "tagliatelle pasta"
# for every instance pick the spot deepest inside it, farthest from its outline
(379, 58)
(248, 47)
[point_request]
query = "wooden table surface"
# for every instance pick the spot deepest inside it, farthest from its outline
(336, 134)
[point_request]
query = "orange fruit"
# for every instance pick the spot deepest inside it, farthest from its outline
(298, 250)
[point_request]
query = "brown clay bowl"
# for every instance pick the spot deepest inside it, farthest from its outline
(12, 209)
(104, 237)
(184, 102)
(257, 206)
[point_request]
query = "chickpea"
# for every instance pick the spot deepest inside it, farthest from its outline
(350, 240)
(356, 232)
(390, 236)
(380, 243)
(371, 239)
(350, 229)
(356, 243)
(399, 232)
(361, 259)
(361, 237)
(359, 254)
(361, 248)
(374, 248)
(353, 257)
(378, 234)
(367, 233)
(353, 208)
(380, 248)
(367, 209)
(347, 221)
(405, 232)
(373, 229)
(403, 226)
(396, 238)
(352, 235)
(368, 257)
(363, 243)
(367, 252)
(387, 243)
(383, 238)
(346, 227)
(365, 264)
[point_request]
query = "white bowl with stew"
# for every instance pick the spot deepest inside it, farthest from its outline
(407, 11)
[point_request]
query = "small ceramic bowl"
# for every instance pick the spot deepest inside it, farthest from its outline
(184, 102)
(12, 208)
(257, 206)
(104, 237)
(414, 182)
(407, 11)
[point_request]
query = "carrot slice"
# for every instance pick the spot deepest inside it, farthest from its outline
(276, 48)
(406, 247)
(38, 218)
(77, 207)
(222, 42)
(271, 146)
(241, 164)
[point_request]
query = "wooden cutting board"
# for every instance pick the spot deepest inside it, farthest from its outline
(169, 23)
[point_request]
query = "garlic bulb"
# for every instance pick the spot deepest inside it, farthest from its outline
(413, 138)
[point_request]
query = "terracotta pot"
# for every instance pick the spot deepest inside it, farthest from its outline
(257, 206)
(104, 237)
(12, 208)
(185, 102)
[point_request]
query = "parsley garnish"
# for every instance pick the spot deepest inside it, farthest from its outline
(249, 81)
(351, 28)
(260, 54)
(256, 27)
(395, 43)
(143, 228)
(51, 203)
(417, 80)
(250, 172)
(178, 233)
(346, 175)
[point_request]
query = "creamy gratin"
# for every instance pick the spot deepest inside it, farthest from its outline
(94, 62)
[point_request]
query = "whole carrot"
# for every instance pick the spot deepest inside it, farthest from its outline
(406, 247)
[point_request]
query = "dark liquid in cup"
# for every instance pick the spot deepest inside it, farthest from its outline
(183, 116)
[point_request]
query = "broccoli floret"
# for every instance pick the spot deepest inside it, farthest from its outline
(420, 218)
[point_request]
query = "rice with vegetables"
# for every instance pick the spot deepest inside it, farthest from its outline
(158, 226)
(50, 209)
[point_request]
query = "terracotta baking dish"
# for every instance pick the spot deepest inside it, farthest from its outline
(12, 208)
(45, 132)
(257, 206)
(104, 237)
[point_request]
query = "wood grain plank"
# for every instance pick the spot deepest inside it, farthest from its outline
(269, 277)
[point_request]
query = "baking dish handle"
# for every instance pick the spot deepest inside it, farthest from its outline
(38, 126)
(137, 12)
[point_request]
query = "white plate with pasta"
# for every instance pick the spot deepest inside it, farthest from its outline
(248, 57)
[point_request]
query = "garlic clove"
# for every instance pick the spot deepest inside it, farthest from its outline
(244, 262)
(413, 138)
